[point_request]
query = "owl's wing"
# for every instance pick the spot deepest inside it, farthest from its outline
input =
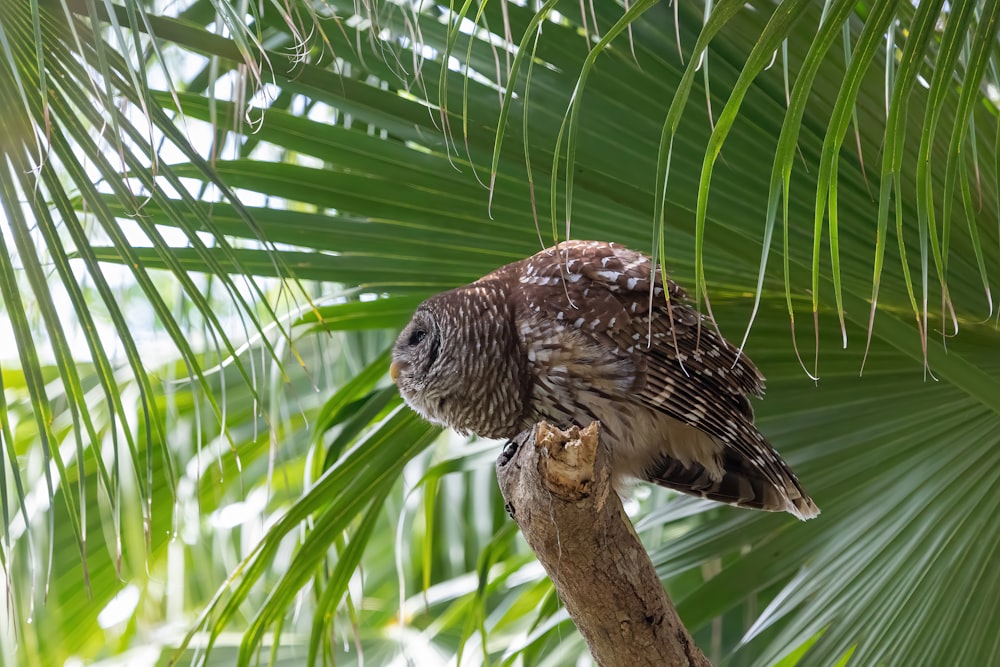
(686, 369)
(604, 289)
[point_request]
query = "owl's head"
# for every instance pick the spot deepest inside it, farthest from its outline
(457, 363)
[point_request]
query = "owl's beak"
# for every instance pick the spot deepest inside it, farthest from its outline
(394, 371)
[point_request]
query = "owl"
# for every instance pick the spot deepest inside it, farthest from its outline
(583, 331)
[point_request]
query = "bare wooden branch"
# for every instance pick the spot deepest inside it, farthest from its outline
(558, 489)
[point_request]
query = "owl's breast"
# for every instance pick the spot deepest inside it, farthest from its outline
(570, 372)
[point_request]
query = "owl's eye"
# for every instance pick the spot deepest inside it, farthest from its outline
(415, 337)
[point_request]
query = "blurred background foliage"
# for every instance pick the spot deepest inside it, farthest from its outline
(216, 215)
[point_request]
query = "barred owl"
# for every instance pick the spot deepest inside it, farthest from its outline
(577, 333)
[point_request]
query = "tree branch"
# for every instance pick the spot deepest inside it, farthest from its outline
(558, 489)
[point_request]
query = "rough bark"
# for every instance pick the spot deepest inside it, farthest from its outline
(557, 486)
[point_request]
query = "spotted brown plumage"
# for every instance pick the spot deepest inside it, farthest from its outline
(584, 331)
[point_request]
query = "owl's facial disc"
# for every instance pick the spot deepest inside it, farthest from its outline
(412, 369)
(407, 347)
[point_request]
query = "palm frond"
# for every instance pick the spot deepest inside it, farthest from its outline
(396, 151)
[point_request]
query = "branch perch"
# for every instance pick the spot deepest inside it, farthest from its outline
(557, 486)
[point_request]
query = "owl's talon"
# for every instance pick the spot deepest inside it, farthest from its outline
(509, 450)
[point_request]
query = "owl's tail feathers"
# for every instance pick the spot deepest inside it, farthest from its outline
(741, 485)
